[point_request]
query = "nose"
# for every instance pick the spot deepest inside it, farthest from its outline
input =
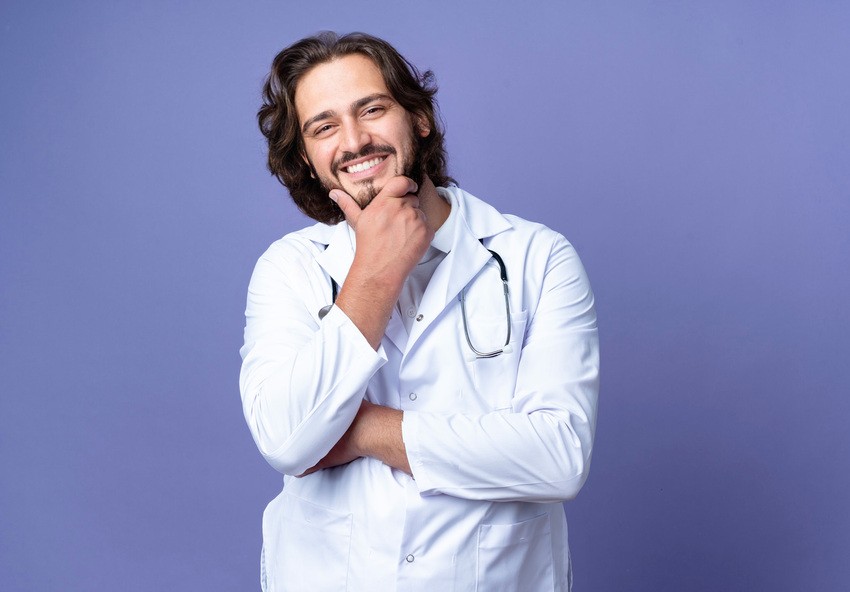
(354, 137)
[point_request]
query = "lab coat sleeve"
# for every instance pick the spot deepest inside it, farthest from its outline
(539, 449)
(302, 380)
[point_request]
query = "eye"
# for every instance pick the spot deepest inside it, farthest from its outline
(322, 129)
(373, 111)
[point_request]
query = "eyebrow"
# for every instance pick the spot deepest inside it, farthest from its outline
(355, 106)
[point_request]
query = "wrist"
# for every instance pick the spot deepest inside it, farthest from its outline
(379, 283)
(359, 441)
(374, 427)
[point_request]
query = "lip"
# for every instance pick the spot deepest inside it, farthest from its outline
(378, 168)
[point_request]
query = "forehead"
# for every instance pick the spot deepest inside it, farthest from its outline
(335, 85)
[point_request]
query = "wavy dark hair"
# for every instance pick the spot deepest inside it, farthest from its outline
(278, 119)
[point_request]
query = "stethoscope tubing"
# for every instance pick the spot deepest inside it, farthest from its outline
(503, 274)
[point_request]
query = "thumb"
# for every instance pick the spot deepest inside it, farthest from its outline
(350, 208)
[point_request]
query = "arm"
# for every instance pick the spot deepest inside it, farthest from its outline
(540, 448)
(538, 451)
(392, 235)
(302, 382)
(375, 432)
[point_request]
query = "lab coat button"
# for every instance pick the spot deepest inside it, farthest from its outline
(412, 396)
(409, 558)
(419, 317)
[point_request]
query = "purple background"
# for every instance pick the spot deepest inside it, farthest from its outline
(696, 154)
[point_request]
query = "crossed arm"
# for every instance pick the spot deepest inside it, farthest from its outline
(539, 451)
(375, 432)
(392, 236)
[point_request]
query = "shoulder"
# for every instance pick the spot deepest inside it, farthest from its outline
(294, 257)
(535, 246)
(485, 221)
(299, 246)
(534, 231)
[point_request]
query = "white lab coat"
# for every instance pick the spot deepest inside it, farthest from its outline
(495, 445)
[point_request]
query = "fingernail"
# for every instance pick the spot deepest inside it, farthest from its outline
(333, 196)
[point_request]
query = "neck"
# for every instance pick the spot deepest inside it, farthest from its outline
(436, 209)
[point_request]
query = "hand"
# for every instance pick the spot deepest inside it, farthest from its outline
(392, 236)
(392, 232)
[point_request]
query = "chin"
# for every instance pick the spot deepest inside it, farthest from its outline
(366, 194)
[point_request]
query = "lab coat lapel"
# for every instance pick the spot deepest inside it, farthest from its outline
(336, 261)
(465, 260)
(396, 332)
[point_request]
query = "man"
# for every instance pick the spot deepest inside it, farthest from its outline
(422, 369)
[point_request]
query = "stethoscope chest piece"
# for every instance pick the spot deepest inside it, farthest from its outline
(323, 312)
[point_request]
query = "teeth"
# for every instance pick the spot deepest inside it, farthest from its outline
(357, 168)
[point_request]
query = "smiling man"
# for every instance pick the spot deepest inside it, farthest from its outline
(337, 149)
(422, 369)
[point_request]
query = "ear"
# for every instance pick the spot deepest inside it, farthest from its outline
(421, 125)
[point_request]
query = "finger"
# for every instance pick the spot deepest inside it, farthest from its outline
(411, 199)
(399, 187)
(350, 208)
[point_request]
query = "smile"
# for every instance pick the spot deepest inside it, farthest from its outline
(363, 166)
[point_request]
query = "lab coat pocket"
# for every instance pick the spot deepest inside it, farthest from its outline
(515, 557)
(309, 547)
(495, 378)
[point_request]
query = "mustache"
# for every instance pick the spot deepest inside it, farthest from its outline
(367, 150)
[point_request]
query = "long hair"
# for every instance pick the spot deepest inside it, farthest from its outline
(278, 118)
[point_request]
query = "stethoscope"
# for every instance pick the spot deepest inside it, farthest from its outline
(503, 273)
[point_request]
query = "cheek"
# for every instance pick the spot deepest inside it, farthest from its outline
(321, 159)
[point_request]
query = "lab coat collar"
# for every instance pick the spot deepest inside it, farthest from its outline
(475, 220)
(336, 259)
(476, 216)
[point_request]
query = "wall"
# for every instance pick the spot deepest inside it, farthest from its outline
(695, 153)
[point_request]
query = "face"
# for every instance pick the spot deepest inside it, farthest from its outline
(356, 136)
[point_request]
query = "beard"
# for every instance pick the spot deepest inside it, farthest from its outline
(411, 162)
